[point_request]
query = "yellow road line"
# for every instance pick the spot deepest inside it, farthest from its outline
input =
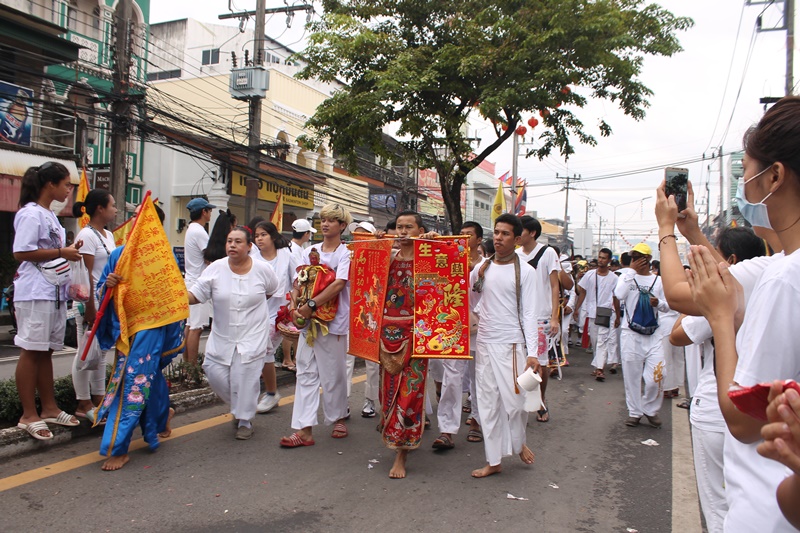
(61, 467)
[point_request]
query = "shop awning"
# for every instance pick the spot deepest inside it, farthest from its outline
(14, 163)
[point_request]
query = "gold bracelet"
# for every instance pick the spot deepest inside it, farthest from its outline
(666, 237)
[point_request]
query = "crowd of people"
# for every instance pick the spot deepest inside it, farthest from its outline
(719, 325)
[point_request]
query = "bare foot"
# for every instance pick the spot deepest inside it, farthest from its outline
(526, 455)
(487, 470)
(115, 462)
(167, 430)
(398, 470)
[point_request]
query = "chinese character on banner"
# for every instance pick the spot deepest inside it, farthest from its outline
(367, 295)
(441, 304)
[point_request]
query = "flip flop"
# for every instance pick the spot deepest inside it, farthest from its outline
(541, 414)
(339, 431)
(63, 419)
(295, 441)
(34, 428)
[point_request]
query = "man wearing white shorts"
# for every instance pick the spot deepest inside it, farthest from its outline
(195, 242)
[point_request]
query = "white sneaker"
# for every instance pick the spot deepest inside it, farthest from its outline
(369, 409)
(268, 402)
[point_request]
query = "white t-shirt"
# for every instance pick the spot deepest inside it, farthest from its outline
(241, 314)
(747, 272)
(194, 242)
(604, 291)
(36, 228)
(705, 413)
(628, 293)
(474, 300)
(284, 266)
(547, 263)
(297, 252)
(767, 344)
(98, 244)
(499, 316)
(338, 260)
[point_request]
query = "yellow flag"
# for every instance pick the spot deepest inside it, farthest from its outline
(152, 293)
(499, 206)
(122, 232)
(83, 190)
(277, 215)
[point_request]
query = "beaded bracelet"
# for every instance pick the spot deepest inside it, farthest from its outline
(665, 237)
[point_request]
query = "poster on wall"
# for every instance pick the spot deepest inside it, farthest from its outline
(16, 114)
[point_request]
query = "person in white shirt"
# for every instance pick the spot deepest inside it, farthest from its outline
(325, 363)
(766, 344)
(98, 243)
(507, 319)
(475, 232)
(642, 353)
(274, 250)
(195, 242)
(41, 306)
(545, 261)
(597, 290)
(674, 357)
(302, 230)
(238, 287)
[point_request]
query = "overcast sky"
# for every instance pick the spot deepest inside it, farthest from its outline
(690, 110)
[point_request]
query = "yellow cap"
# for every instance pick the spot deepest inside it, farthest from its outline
(642, 248)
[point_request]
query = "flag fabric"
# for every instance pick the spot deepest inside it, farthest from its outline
(122, 232)
(83, 190)
(520, 203)
(152, 293)
(506, 178)
(499, 206)
(277, 214)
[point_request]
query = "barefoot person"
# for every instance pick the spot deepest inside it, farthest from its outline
(138, 394)
(506, 335)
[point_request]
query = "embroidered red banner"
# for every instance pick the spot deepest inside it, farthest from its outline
(369, 270)
(441, 299)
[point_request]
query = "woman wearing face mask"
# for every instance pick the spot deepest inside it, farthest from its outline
(757, 342)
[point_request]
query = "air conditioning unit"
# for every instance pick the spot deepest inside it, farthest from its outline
(249, 82)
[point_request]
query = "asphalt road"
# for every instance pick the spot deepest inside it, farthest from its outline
(591, 474)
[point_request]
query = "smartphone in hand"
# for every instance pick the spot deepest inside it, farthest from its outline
(677, 185)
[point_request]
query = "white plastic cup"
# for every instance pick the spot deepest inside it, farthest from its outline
(529, 380)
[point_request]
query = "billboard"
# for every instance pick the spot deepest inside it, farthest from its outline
(16, 114)
(583, 242)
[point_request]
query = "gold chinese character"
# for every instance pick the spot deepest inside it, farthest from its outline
(441, 260)
(425, 250)
(453, 295)
(457, 269)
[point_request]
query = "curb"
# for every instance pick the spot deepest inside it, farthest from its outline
(15, 442)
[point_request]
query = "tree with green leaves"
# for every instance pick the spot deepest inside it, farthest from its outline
(425, 66)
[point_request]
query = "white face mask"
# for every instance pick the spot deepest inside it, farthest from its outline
(755, 214)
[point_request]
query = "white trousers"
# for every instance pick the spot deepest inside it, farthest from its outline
(448, 414)
(603, 343)
(614, 346)
(674, 363)
(473, 388)
(503, 416)
(324, 364)
(642, 358)
(87, 383)
(238, 384)
(373, 378)
(708, 447)
(565, 322)
(694, 364)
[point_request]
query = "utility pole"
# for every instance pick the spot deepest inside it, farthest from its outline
(788, 26)
(722, 195)
(514, 170)
(566, 207)
(589, 206)
(121, 107)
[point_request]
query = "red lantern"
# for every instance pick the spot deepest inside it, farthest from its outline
(566, 90)
(543, 112)
(505, 127)
(532, 122)
(558, 105)
(521, 130)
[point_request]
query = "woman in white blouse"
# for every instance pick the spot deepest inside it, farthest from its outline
(274, 250)
(238, 288)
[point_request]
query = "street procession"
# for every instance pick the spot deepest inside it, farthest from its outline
(266, 288)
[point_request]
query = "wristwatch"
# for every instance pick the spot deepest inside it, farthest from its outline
(312, 305)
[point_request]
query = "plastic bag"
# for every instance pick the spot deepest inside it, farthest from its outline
(79, 289)
(93, 358)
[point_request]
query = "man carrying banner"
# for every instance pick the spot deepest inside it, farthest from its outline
(146, 326)
(506, 334)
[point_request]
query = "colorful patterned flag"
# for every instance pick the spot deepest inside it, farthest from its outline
(521, 200)
(153, 293)
(441, 299)
(83, 190)
(277, 214)
(506, 178)
(369, 270)
(499, 206)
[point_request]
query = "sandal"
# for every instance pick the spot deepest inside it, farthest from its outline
(339, 431)
(290, 368)
(34, 428)
(686, 403)
(63, 419)
(443, 443)
(600, 376)
(475, 435)
(295, 441)
(543, 415)
(466, 407)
